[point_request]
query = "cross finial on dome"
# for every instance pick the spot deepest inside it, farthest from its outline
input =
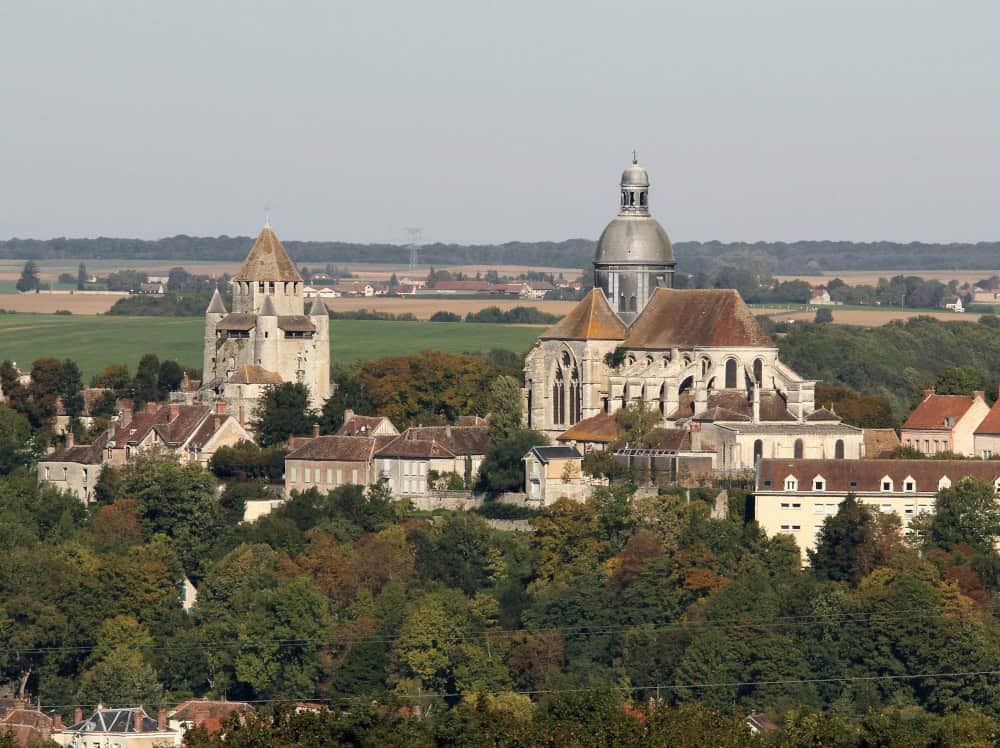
(635, 157)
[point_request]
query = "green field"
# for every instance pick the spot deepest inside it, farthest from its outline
(93, 341)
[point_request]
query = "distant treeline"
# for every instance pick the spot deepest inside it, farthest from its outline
(804, 257)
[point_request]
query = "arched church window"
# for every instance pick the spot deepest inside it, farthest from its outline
(838, 449)
(799, 449)
(558, 398)
(758, 451)
(565, 358)
(731, 374)
(575, 392)
(663, 400)
(758, 372)
(530, 393)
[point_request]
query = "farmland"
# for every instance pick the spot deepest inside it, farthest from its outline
(94, 341)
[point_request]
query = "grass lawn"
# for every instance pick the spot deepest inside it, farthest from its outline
(94, 341)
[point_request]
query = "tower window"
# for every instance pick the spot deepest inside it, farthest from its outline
(631, 198)
(624, 198)
(260, 286)
(271, 288)
(642, 199)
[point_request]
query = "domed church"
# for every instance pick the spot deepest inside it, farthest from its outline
(697, 357)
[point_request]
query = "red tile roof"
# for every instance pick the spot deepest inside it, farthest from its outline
(934, 409)
(696, 317)
(253, 374)
(991, 424)
(339, 448)
(867, 474)
(210, 714)
(591, 319)
(357, 425)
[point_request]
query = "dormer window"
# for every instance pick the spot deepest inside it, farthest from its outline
(819, 483)
(949, 421)
(791, 483)
(886, 483)
(909, 485)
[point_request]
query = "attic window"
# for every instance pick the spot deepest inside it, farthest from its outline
(853, 484)
(949, 421)
(767, 484)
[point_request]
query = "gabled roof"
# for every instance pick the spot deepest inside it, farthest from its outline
(339, 448)
(181, 426)
(687, 318)
(590, 319)
(253, 374)
(209, 714)
(934, 409)
(268, 260)
(599, 428)
(415, 448)
(991, 424)
(356, 425)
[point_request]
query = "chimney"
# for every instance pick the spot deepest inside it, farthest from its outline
(69, 439)
(137, 718)
(126, 417)
(152, 407)
(220, 407)
(57, 722)
(315, 430)
(161, 720)
(77, 715)
(976, 395)
(175, 410)
(348, 414)
(185, 382)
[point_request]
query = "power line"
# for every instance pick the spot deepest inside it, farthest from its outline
(626, 689)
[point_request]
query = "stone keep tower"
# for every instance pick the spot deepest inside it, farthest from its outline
(268, 329)
(634, 255)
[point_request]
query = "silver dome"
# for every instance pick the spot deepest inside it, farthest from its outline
(638, 240)
(635, 176)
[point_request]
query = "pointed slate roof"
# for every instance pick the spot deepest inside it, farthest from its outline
(590, 319)
(267, 308)
(318, 308)
(696, 317)
(268, 260)
(216, 306)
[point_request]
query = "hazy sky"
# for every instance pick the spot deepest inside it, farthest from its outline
(489, 122)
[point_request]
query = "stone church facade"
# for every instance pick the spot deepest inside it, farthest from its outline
(268, 337)
(697, 357)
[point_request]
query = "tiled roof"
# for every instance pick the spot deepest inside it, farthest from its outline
(880, 443)
(590, 319)
(991, 424)
(84, 454)
(867, 474)
(701, 317)
(208, 429)
(341, 448)
(669, 439)
(237, 322)
(177, 430)
(733, 405)
(934, 409)
(253, 374)
(136, 430)
(460, 440)
(28, 724)
(296, 323)
(823, 414)
(360, 425)
(425, 448)
(210, 714)
(793, 428)
(599, 428)
(268, 261)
